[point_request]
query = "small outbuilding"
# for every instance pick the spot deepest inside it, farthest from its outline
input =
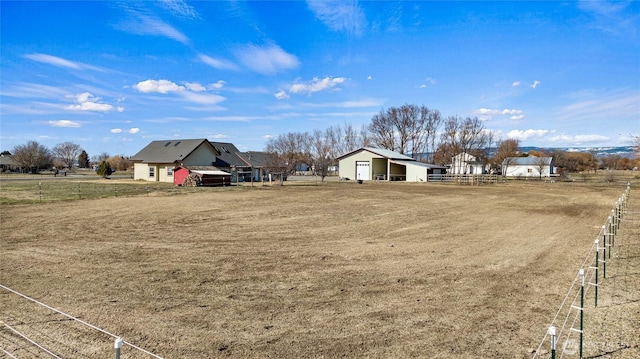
(202, 176)
(368, 163)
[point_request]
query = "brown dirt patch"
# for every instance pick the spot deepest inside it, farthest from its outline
(339, 270)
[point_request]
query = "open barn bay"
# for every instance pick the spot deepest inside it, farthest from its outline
(376, 270)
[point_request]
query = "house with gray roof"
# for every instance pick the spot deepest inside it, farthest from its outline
(531, 166)
(157, 160)
(368, 163)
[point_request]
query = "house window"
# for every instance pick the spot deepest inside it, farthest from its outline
(152, 172)
(169, 171)
(529, 170)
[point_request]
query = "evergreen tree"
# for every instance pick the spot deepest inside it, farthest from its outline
(83, 159)
(104, 169)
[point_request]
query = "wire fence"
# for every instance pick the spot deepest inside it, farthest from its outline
(118, 341)
(567, 326)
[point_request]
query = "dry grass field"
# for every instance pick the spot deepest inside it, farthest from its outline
(378, 270)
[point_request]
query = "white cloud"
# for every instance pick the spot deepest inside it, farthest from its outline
(317, 85)
(485, 114)
(218, 136)
(217, 63)
(194, 86)
(527, 134)
(339, 16)
(281, 95)
(160, 86)
(515, 84)
(64, 123)
(369, 77)
(266, 60)
(423, 86)
(87, 102)
(203, 99)
(579, 139)
(217, 85)
(132, 130)
(535, 84)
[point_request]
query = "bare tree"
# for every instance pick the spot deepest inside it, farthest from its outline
(67, 152)
(322, 148)
(461, 136)
(291, 149)
(32, 156)
(506, 154)
(433, 121)
(541, 163)
(382, 131)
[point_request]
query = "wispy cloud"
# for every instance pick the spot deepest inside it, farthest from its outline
(266, 60)
(60, 62)
(64, 123)
(140, 24)
(218, 63)
(535, 84)
(317, 85)
(179, 8)
(340, 16)
(611, 16)
(594, 105)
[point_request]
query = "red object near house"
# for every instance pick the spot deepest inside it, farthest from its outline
(208, 177)
(179, 175)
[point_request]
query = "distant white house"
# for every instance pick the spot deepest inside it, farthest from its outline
(531, 166)
(465, 164)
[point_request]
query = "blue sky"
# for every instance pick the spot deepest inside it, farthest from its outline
(113, 76)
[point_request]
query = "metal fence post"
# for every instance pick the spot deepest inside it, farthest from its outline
(117, 345)
(596, 269)
(552, 332)
(582, 308)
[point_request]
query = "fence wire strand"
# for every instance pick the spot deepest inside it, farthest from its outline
(77, 320)
(589, 273)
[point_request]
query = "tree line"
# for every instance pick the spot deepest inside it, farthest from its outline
(426, 135)
(33, 157)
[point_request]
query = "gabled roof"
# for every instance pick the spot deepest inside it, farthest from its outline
(169, 151)
(254, 158)
(528, 161)
(7, 160)
(392, 155)
(228, 156)
(418, 164)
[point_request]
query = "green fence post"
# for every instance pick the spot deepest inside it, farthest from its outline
(604, 255)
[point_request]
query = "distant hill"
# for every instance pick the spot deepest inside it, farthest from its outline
(624, 151)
